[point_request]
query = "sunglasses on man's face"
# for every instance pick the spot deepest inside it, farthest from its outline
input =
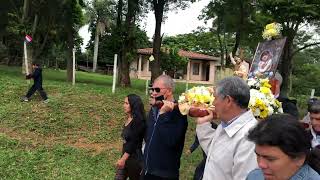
(157, 90)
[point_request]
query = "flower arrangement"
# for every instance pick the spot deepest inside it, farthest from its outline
(262, 102)
(272, 30)
(199, 97)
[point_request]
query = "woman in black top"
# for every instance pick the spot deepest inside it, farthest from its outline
(130, 164)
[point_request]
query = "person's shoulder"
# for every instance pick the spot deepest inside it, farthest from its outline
(255, 174)
(314, 177)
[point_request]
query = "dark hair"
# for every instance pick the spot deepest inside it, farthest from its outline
(35, 64)
(314, 159)
(266, 53)
(314, 106)
(137, 109)
(236, 88)
(282, 131)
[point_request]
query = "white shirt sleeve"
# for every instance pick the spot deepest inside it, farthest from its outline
(205, 135)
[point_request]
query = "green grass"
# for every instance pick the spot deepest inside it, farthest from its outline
(76, 135)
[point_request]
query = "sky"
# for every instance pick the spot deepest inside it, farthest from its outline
(178, 22)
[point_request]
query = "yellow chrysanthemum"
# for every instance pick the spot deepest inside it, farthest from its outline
(278, 103)
(271, 30)
(264, 113)
(265, 83)
(262, 102)
(199, 96)
(265, 90)
(270, 26)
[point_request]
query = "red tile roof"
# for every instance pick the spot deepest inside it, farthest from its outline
(187, 54)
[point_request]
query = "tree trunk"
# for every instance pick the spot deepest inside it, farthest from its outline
(96, 47)
(35, 24)
(119, 35)
(237, 43)
(239, 31)
(158, 12)
(220, 43)
(26, 4)
(129, 44)
(23, 21)
(69, 54)
(286, 65)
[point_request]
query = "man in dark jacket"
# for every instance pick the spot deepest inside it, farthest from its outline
(166, 128)
(37, 85)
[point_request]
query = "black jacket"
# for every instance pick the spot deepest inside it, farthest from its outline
(289, 106)
(164, 138)
(36, 76)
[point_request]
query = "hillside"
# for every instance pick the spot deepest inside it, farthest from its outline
(76, 135)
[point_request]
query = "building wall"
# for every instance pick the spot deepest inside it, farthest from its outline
(145, 73)
(198, 71)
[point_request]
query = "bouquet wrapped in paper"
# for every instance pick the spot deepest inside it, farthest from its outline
(196, 101)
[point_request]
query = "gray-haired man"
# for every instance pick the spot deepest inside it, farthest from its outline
(229, 154)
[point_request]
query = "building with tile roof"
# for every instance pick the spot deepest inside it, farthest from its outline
(201, 68)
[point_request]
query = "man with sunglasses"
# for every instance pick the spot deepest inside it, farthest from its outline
(166, 128)
(229, 154)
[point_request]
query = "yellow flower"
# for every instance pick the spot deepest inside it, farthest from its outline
(272, 30)
(264, 113)
(271, 26)
(265, 83)
(259, 102)
(278, 103)
(265, 90)
(198, 96)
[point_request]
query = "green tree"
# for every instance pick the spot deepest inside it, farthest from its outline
(51, 23)
(292, 15)
(197, 41)
(171, 61)
(160, 7)
(231, 17)
(101, 13)
(72, 19)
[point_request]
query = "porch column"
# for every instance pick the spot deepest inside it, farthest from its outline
(139, 66)
(212, 72)
(188, 74)
(201, 69)
(188, 70)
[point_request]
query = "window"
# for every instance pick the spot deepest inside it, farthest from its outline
(142, 64)
(149, 64)
(195, 68)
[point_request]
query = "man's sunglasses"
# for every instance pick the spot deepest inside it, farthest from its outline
(157, 90)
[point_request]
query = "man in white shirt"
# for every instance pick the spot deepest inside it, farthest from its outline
(230, 156)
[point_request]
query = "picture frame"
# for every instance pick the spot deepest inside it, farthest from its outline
(266, 58)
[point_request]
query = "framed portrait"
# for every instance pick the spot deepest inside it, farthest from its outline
(266, 58)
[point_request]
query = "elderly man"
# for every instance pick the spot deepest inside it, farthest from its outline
(166, 128)
(229, 154)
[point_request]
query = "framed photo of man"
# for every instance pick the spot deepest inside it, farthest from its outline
(266, 58)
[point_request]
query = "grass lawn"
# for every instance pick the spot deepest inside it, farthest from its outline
(76, 135)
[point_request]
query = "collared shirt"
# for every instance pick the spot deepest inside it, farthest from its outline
(304, 173)
(229, 154)
(225, 124)
(315, 138)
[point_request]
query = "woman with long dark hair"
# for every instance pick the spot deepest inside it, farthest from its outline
(130, 163)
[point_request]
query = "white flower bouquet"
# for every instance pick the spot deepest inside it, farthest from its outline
(196, 101)
(262, 102)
